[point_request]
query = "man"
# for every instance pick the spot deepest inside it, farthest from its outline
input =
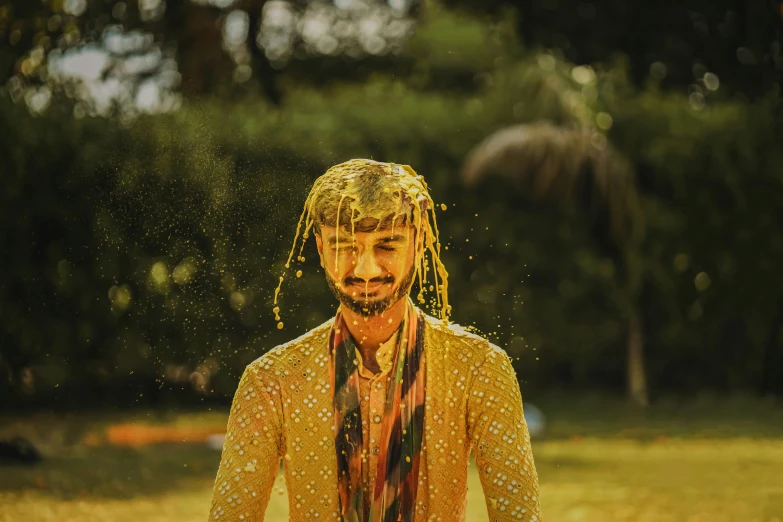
(375, 412)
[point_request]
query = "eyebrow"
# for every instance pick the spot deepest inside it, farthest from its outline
(396, 238)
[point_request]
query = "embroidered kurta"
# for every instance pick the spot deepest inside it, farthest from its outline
(283, 409)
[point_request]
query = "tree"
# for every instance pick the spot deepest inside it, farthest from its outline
(198, 48)
(672, 41)
(577, 170)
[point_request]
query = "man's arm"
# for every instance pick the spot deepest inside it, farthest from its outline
(251, 453)
(501, 442)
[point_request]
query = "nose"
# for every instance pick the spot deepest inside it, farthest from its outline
(366, 266)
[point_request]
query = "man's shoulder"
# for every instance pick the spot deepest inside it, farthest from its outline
(467, 340)
(302, 345)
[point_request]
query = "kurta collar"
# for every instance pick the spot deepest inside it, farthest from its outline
(384, 356)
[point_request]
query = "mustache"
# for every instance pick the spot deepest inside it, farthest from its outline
(356, 281)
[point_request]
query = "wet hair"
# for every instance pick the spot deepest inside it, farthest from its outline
(364, 196)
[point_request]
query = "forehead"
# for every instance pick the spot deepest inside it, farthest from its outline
(398, 235)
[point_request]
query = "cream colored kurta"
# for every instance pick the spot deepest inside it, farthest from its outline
(282, 409)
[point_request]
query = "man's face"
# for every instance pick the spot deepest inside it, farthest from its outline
(368, 272)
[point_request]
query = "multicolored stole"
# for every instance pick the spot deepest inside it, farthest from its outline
(396, 480)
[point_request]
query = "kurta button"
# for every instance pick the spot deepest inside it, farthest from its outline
(376, 450)
(377, 418)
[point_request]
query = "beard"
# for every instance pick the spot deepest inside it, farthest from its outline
(370, 307)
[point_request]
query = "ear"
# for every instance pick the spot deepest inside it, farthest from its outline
(319, 242)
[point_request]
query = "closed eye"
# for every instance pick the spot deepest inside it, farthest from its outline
(344, 248)
(386, 248)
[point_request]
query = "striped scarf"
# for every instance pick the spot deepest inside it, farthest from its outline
(396, 480)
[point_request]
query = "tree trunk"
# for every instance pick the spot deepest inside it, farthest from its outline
(203, 65)
(772, 365)
(637, 376)
(262, 68)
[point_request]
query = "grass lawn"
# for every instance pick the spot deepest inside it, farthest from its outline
(709, 460)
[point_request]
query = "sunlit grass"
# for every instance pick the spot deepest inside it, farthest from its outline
(602, 464)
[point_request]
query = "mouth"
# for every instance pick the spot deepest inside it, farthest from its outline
(366, 289)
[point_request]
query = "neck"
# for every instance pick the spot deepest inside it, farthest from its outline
(370, 332)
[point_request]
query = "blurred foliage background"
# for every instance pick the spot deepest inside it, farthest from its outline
(625, 234)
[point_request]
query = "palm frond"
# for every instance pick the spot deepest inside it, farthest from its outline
(565, 165)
